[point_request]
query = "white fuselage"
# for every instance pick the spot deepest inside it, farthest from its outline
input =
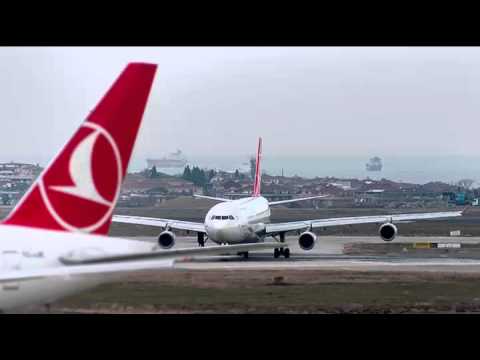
(238, 221)
(23, 248)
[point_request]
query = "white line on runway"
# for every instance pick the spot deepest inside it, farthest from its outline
(340, 264)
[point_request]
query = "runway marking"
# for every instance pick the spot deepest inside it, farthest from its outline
(340, 264)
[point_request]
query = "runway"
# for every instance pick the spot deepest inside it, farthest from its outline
(323, 280)
(327, 254)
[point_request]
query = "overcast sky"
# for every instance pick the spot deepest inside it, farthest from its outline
(330, 101)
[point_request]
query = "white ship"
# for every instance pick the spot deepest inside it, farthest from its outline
(172, 160)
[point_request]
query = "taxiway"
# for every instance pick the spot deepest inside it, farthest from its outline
(328, 254)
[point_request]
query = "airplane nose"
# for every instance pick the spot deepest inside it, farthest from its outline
(222, 232)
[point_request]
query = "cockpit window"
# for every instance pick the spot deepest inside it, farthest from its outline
(223, 217)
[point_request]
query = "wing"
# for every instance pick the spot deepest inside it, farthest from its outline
(174, 224)
(300, 225)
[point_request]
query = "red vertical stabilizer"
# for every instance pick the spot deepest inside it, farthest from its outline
(79, 189)
(258, 176)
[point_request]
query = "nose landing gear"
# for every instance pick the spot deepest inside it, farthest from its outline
(277, 252)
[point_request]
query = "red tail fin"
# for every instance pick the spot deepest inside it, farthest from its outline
(80, 187)
(258, 176)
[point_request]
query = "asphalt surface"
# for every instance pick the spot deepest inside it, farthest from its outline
(327, 254)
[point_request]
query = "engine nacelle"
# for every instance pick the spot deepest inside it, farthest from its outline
(388, 231)
(166, 239)
(306, 240)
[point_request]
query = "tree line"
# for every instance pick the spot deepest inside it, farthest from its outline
(198, 176)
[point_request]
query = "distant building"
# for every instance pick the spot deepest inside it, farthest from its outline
(139, 184)
(19, 171)
(15, 179)
(460, 198)
(342, 184)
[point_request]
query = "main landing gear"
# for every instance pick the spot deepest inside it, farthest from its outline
(281, 251)
(244, 254)
(201, 239)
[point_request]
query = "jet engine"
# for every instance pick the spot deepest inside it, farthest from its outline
(166, 239)
(307, 240)
(388, 231)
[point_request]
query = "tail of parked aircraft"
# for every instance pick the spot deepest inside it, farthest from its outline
(79, 189)
(258, 176)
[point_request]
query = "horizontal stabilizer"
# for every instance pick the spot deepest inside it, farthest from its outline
(168, 254)
(295, 200)
(114, 269)
(211, 198)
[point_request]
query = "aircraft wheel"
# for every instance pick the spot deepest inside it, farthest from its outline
(276, 253)
(286, 253)
(201, 239)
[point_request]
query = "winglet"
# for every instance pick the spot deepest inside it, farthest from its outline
(258, 176)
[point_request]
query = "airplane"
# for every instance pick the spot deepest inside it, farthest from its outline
(247, 220)
(54, 242)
